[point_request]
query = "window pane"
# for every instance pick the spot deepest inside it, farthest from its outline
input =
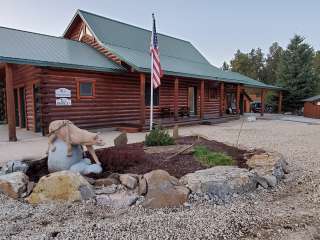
(86, 89)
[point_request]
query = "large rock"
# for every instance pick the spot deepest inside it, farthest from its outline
(14, 166)
(121, 199)
(64, 186)
(128, 180)
(106, 182)
(121, 140)
(221, 181)
(164, 190)
(270, 167)
(15, 185)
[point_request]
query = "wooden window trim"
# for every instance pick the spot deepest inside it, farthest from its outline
(79, 81)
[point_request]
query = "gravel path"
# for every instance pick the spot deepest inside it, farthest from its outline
(290, 211)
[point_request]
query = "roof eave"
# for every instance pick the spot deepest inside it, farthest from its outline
(58, 65)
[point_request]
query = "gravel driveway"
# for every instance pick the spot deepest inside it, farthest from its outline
(290, 211)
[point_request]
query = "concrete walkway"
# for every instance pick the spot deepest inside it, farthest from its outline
(32, 145)
(283, 117)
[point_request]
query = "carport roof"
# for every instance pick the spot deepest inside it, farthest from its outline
(312, 99)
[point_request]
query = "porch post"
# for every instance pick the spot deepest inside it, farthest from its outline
(262, 101)
(221, 98)
(176, 98)
(11, 113)
(280, 102)
(202, 99)
(142, 99)
(238, 98)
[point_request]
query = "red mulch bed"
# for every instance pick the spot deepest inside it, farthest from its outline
(133, 159)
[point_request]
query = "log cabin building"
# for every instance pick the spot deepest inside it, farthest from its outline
(98, 75)
(311, 107)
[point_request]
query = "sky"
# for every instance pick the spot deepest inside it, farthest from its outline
(216, 28)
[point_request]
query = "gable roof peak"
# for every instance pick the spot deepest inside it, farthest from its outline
(80, 12)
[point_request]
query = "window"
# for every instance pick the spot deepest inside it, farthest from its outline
(155, 95)
(86, 89)
(213, 93)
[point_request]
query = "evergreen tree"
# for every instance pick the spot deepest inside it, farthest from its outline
(250, 64)
(272, 62)
(295, 73)
(225, 66)
(316, 67)
(241, 63)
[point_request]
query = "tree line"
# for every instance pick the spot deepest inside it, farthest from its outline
(295, 68)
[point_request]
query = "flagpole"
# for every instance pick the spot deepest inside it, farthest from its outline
(151, 82)
(151, 95)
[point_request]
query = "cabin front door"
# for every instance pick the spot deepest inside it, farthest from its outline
(192, 100)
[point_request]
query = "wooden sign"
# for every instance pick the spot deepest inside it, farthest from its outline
(63, 93)
(63, 102)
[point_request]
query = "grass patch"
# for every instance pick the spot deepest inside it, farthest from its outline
(211, 159)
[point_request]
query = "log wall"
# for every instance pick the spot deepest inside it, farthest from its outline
(117, 97)
(311, 110)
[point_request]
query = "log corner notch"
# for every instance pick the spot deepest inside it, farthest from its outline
(280, 102)
(11, 113)
(202, 100)
(142, 100)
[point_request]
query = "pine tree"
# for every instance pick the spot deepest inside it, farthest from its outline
(316, 67)
(295, 73)
(272, 62)
(225, 66)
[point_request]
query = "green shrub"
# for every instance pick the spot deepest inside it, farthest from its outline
(211, 159)
(159, 137)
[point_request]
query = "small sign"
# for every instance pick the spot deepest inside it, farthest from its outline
(63, 93)
(63, 102)
(318, 103)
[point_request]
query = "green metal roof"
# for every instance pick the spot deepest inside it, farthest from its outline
(312, 99)
(23, 47)
(178, 57)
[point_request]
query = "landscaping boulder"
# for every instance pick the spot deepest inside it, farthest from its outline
(269, 167)
(14, 166)
(121, 140)
(64, 186)
(220, 182)
(106, 182)
(128, 181)
(164, 190)
(15, 184)
(122, 199)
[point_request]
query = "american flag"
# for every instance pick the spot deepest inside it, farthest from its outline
(156, 70)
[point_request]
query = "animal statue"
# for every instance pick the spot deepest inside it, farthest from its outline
(66, 131)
